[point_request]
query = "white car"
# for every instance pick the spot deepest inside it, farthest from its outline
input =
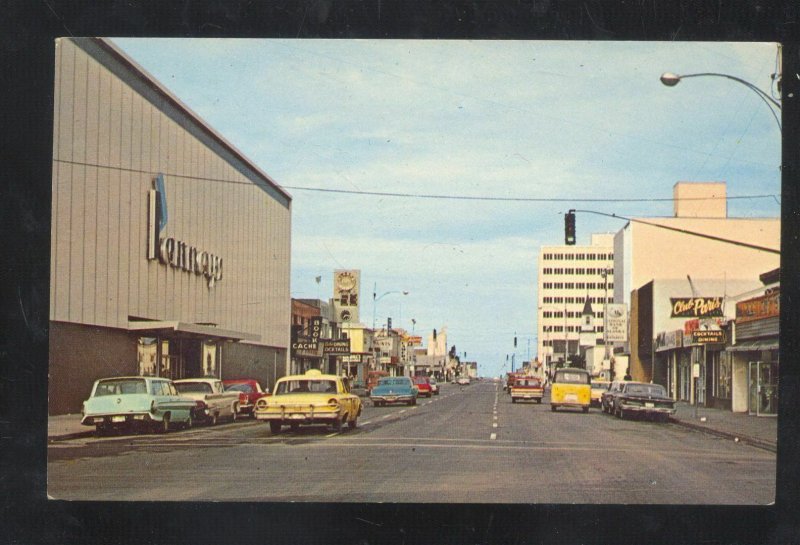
(213, 402)
(464, 381)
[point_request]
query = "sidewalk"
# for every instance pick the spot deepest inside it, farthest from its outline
(67, 426)
(759, 431)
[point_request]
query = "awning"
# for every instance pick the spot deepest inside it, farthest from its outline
(191, 329)
(754, 346)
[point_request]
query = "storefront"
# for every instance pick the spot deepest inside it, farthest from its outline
(170, 249)
(754, 355)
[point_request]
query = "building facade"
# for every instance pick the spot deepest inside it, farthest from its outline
(170, 250)
(568, 277)
(700, 253)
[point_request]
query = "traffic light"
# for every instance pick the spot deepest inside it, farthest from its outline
(569, 228)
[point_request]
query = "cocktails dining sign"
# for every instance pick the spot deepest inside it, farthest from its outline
(171, 251)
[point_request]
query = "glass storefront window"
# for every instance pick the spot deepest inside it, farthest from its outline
(146, 352)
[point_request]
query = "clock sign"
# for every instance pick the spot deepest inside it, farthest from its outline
(346, 281)
(345, 315)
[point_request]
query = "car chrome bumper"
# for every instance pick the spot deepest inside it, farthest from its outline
(116, 419)
(640, 409)
(394, 399)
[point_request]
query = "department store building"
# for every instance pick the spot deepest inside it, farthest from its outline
(170, 251)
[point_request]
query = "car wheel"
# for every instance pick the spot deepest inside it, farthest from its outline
(414, 401)
(235, 413)
(621, 414)
(274, 427)
(294, 426)
(163, 426)
(214, 419)
(337, 426)
(353, 423)
(189, 422)
(101, 430)
(553, 408)
(585, 410)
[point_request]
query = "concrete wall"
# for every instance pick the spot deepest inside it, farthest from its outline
(79, 355)
(245, 360)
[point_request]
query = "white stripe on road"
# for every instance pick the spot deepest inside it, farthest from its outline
(493, 436)
(386, 416)
(366, 423)
(494, 425)
(404, 410)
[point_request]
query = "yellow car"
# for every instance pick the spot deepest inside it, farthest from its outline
(312, 398)
(571, 388)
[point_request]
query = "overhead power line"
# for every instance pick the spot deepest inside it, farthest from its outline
(686, 232)
(517, 199)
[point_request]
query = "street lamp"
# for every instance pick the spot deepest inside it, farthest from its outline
(671, 80)
(375, 299)
(604, 273)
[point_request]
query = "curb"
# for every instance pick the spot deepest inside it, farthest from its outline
(68, 436)
(752, 441)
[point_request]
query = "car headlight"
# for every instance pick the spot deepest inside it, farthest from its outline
(261, 404)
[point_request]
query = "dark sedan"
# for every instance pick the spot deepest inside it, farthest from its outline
(643, 399)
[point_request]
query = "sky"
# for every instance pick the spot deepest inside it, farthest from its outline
(554, 125)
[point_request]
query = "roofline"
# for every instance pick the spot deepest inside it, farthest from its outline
(110, 47)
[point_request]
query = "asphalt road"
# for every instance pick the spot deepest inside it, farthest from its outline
(470, 444)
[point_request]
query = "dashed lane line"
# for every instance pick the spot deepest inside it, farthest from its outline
(493, 436)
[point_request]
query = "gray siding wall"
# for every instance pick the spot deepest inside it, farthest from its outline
(110, 142)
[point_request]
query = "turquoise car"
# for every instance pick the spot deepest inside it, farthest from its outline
(145, 402)
(394, 390)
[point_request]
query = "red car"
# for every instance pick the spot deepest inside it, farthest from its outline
(424, 386)
(249, 390)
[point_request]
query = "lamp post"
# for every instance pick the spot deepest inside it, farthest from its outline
(671, 80)
(607, 357)
(375, 299)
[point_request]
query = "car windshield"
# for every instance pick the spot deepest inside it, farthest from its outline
(601, 384)
(420, 381)
(530, 382)
(240, 387)
(571, 377)
(645, 389)
(303, 386)
(193, 387)
(393, 382)
(121, 386)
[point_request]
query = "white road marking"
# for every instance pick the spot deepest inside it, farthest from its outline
(366, 423)
(495, 417)
(332, 434)
(404, 410)
(493, 436)
(387, 416)
(494, 425)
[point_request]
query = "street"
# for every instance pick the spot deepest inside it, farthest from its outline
(468, 445)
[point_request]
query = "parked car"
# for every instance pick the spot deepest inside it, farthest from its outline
(249, 391)
(394, 390)
(146, 402)
(570, 389)
(643, 399)
(434, 386)
(598, 387)
(372, 379)
(463, 381)
(311, 398)
(213, 402)
(607, 397)
(423, 384)
(527, 389)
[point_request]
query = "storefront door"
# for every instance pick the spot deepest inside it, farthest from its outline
(763, 388)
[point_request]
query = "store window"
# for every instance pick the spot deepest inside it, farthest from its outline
(722, 370)
(146, 352)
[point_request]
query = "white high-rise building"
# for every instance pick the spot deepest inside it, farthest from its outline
(567, 276)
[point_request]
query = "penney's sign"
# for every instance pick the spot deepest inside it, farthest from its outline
(170, 251)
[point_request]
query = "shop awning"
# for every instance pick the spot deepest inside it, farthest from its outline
(201, 330)
(754, 346)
